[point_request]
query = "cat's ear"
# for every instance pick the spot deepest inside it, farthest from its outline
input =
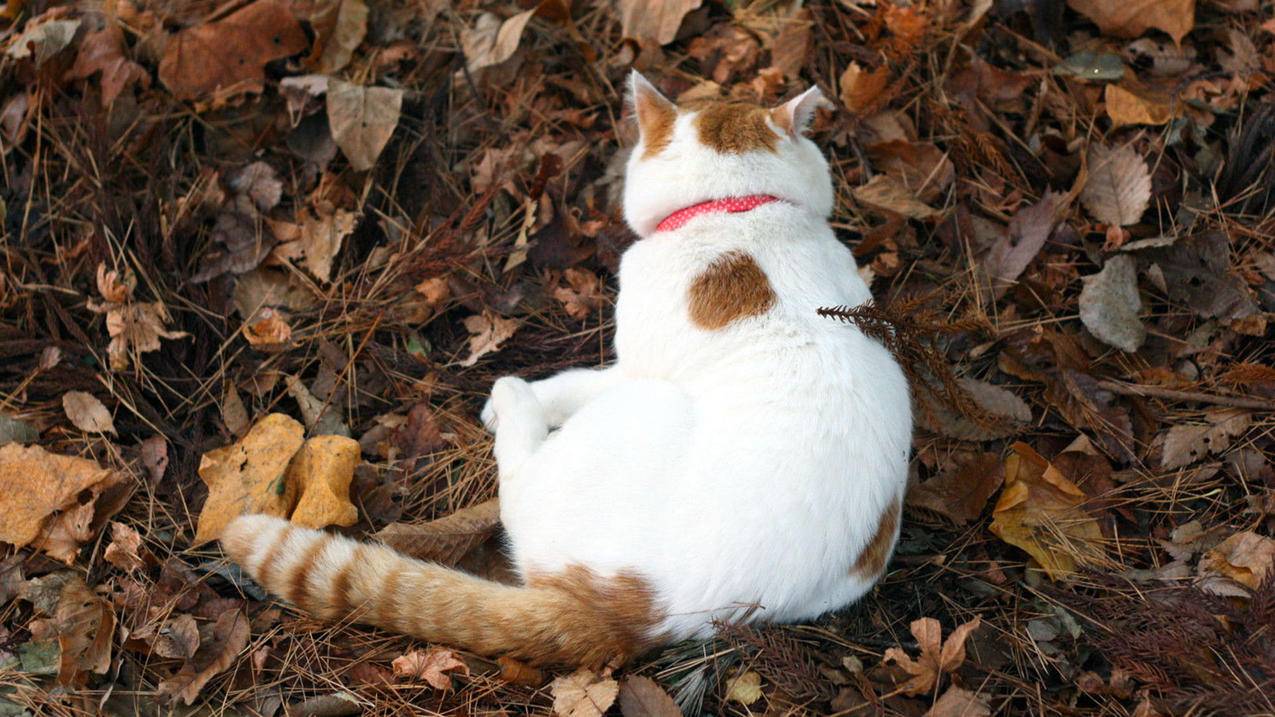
(794, 116)
(655, 113)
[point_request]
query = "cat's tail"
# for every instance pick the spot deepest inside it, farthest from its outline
(575, 617)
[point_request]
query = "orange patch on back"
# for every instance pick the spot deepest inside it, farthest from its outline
(735, 128)
(656, 118)
(732, 287)
(872, 560)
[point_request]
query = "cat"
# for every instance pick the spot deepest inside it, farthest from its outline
(744, 459)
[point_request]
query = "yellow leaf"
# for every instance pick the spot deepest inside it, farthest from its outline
(322, 470)
(744, 688)
(35, 483)
(249, 476)
(1042, 512)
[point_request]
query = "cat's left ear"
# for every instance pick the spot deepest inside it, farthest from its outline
(794, 116)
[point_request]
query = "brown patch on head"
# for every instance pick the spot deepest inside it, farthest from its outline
(735, 128)
(602, 621)
(656, 117)
(872, 560)
(732, 287)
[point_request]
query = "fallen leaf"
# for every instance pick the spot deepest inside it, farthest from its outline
(447, 539)
(122, 552)
(362, 120)
(583, 694)
(322, 471)
(1127, 106)
(861, 90)
(1042, 512)
(1130, 18)
(44, 40)
(1007, 413)
(339, 27)
(82, 623)
(937, 656)
(267, 329)
(960, 494)
(431, 665)
(177, 638)
(491, 41)
(582, 295)
(643, 697)
(1196, 272)
(1245, 557)
(103, 51)
(1110, 304)
(87, 412)
(321, 418)
(257, 186)
(1119, 186)
(657, 20)
(1188, 443)
(744, 688)
(249, 476)
(321, 238)
(487, 332)
(885, 192)
(788, 55)
(229, 56)
(957, 702)
(34, 484)
(228, 637)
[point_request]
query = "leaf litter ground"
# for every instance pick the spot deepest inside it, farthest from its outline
(271, 254)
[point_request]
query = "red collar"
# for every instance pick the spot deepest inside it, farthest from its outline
(732, 205)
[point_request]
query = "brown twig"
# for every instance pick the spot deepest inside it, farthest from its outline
(1129, 389)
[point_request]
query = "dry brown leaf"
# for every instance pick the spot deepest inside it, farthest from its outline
(321, 238)
(744, 688)
(1119, 186)
(1042, 512)
(582, 295)
(432, 665)
(322, 470)
(999, 403)
(228, 637)
(123, 551)
(43, 40)
(1185, 444)
(87, 412)
(861, 90)
(362, 120)
(249, 476)
(322, 418)
(268, 329)
(643, 697)
(887, 193)
(937, 656)
(1130, 18)
(103, 51)
(229, 56)
(447, 539)
(1127, 106)
(657, 20)
(789, 52)
(962, 493)
(1245, 557)
(339, 28)
(957, 702)
(35, 483)
(490, 41)
(82, 623)
(1110, 304)
(1026, 236)
(177, 639)
(487, 332)
(583, 694)
(519, 673)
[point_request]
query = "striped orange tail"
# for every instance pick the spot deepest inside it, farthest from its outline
(574, 618)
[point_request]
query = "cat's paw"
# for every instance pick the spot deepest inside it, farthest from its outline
(509, 395)
(488, 415)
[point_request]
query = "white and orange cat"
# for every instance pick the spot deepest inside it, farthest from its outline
(743, 459)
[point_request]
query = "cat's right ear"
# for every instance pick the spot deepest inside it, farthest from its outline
(655, 113)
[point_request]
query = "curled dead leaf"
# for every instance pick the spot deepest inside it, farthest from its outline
(487, 332)
(433, 666)
(937, 656)
(583, 694)
(217, 651)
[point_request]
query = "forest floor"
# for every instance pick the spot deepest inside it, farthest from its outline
(352, 216)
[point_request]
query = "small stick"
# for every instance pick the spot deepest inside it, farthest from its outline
(1128, 389)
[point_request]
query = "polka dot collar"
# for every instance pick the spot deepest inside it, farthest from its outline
(731, 205)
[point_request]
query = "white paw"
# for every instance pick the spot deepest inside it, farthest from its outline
(509, 395)
(488, 415)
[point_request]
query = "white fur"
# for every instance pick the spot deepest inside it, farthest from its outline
(740, 471)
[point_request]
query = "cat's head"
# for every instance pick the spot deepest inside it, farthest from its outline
(716, 150)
